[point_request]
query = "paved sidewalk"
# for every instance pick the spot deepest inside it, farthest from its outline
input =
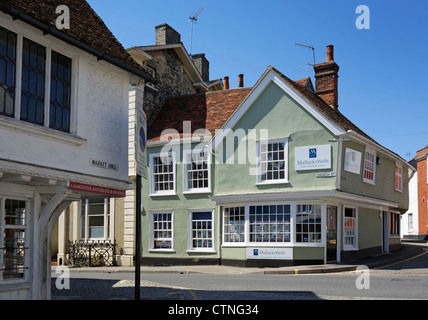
(407, 251)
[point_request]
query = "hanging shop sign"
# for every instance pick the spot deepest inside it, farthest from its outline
(313, 157)
(96, 189)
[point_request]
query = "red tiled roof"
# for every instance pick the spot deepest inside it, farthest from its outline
(85, 25)
(208, 110)
(333, 115)
(212, 110)
(303, 82)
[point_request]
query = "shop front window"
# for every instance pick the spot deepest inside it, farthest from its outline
(234, 224)
(270, 223)
(13, 240)
(350, 229)
(95, 219)
(308, 223)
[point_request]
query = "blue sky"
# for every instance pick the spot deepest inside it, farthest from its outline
(383, 70)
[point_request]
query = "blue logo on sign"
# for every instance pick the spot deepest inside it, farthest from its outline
(256, 252)
(313, 153)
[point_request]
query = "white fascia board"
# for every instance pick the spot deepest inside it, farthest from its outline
(269, 77)
(308, 196)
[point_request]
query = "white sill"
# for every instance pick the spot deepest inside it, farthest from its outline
(163, 194)
(350, 249)
(197, 191)
(201, 251)
(162, 250)
(271, 182)
(40, 131)
(369, 182)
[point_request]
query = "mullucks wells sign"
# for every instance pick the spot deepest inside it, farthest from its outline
(313, 157)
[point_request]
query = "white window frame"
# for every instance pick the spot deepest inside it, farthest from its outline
(84, 216)
(355, 244)
(321, 242)
(367, 162)
(152, 230)
(187, 154)
(397, 224)
(67, 51)
(23, 228)
(191, 248)
(293, 212)
(398, 175)
(154, 192)
(260, 162)
(245, 223)
(265, 225)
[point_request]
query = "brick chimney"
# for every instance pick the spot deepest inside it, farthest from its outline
(240, 80)
(202, 64)
(166, 35)
(226, 83)
(326, 76)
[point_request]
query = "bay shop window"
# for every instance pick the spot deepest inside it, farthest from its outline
(273, 224)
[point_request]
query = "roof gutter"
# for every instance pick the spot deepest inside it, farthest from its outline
(16, 14)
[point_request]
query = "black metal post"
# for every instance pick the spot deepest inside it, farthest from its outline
(137, 237)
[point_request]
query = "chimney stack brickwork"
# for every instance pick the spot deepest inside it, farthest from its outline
(166, 35)
(202, 64)
(326, 79)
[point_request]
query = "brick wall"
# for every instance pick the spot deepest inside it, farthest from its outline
(422, 191)
(172, 80)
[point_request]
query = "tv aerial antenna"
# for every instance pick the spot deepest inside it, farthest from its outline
(194, 19)
(309, 47)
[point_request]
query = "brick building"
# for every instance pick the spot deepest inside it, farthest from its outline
(414, 223)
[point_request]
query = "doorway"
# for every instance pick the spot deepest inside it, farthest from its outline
(331, 234)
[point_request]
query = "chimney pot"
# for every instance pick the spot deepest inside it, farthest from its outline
(330, 53)
(241, 80)
(226, 83)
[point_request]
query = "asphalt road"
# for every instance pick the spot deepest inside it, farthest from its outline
(405, 280)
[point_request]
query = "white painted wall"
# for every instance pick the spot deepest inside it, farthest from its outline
(413, 208)
(99, 130)
(99, 119)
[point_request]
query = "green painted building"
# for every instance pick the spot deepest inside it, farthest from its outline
(272, 175)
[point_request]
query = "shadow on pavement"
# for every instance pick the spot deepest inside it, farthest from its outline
(97, 289)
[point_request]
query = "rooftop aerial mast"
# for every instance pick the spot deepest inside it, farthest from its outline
(194, 19)
(309, 47)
